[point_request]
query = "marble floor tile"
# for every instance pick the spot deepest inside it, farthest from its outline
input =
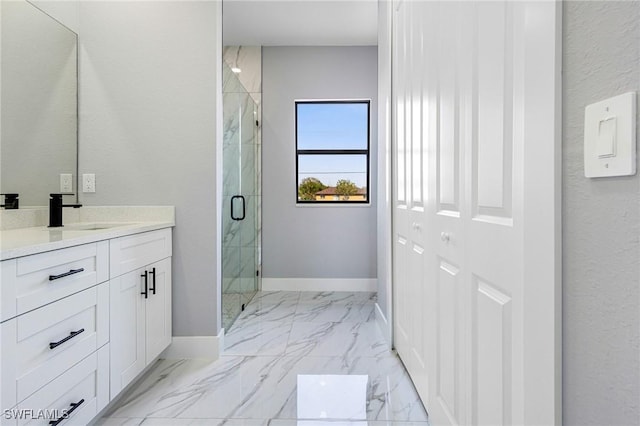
(232, 387)
(163, 377)
(337, 296)
(159, 421)
(275, 297)
(390, 392)
(281, 422)
(257, 338)
(277, 338)
(342, 339)
(327, 311)
(255, 314)
(271, 306)
(265, 388)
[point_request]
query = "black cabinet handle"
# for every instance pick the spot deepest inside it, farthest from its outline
(153, 272)
(73, 334)
(66, 415)
(66, 274)
(146, 284)
(238, 197)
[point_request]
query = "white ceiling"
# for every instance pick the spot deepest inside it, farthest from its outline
(300, 22)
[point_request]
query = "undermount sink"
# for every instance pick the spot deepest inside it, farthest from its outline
(92, 226)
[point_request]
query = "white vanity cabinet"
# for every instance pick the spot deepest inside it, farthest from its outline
(79, 322)
(54, 332)
(140, 308)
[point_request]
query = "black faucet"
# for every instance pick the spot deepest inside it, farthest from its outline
(10, 201)
(55, 209)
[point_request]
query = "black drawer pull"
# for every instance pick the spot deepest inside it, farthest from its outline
(73, 334)
(153, 272)
(66, 274)
(146, 284)
(66, 415)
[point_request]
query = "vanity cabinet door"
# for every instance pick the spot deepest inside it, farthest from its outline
(158, 309)
(127, 327)
(140, 321)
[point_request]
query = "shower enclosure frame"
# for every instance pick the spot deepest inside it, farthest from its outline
(241, 209)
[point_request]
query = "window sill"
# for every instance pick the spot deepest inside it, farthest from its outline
(326, 204)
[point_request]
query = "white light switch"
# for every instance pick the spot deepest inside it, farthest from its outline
(610, 137)
(607, 137)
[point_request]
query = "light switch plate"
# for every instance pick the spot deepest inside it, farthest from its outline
(610, 137)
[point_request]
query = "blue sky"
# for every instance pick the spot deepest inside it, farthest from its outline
(333, 126)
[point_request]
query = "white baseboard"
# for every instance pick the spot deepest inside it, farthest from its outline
(195, 347)
(383, 325)
(319, 284)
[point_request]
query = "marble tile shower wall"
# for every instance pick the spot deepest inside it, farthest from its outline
(241, 176)
(249, 60)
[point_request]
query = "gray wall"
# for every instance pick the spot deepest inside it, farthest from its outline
(601, 224)
(150, 72)
(313, 241)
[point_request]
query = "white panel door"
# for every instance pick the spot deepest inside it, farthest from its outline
(477, 247)
(446, 85)
(410, 142)
(494, 234)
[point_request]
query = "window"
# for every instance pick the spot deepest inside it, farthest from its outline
(332, 151)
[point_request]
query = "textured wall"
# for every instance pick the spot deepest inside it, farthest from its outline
(601, 225)
(313, 241)
(148, 81)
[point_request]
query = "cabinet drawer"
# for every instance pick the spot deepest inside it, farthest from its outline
(135, 251)
(33, 281)
(87, 381)
(44, 343)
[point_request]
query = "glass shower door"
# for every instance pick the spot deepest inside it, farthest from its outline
(241, 200)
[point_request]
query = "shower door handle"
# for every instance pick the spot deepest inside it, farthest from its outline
(237, 197)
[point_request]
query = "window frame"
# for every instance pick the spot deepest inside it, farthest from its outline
(366, 152)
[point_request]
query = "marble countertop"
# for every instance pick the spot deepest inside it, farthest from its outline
(26, 241)
(23, 231)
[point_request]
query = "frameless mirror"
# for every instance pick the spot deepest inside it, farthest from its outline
(39, 104)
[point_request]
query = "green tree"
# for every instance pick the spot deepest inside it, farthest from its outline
(308, 188)
(345, 188)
